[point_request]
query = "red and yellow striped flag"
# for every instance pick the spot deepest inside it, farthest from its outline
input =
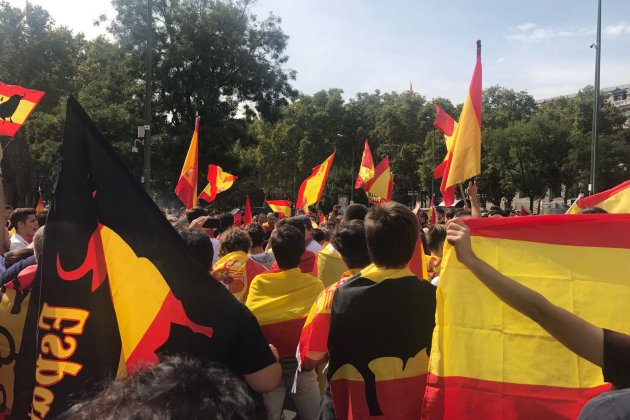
(313, 186)
(218, 181)
(280, 300)
(16, 105)
(489, 361)
(464, 157)
(366, 170)
(39, 207)
(614, 200)
(186, 189)
(247, 217)
(379, 188)
(282, 207)
(447, 125)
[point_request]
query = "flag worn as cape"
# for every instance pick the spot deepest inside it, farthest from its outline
(280, 300)
(379, 188)
(330, 266)
(16, 105)
(489, 361)
(186, 189)
(312, 188)
(366, 170)
(418, 263)
(236, 272)
(379, 343)
(464, 157)
(218, 182)
(614, 200)
(118, 286)
(282, 207)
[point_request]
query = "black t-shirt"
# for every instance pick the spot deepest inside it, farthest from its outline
(617, 359)
(251, 351)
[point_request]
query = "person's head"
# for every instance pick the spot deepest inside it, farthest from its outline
(41, 218)
(200, 246)
(271, 219)
(355, 211)
(319, 236)
(226, 220)
(256, 234)
(593, 210)
(262, 218)
(195, 213)
(450, 213)
(24, 221)
(435, 239)
(16, 256)
(351, 243)
(176, 388)
(391, 230)
(308, 227)
(462, 213)
(287, 244)
(7, 211)
(38, 242)
(233, 240)
(423, 217)
(439, 212)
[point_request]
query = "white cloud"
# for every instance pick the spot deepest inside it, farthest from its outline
(617, 30)
(532, 33)
(526, 26)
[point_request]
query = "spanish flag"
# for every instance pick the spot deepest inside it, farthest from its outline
(432, 214)
(366, 170)
(614, 200)
(236, 272)
(489, 361)
(247, 217)
(40, 202)
(16, 105)
(329, 266)
(312, 188)
(186, 189)
(464, 157)
(118, 287)
(281, 300)
(282, 207)
(218, 182)
(447, 125)
(379, 188)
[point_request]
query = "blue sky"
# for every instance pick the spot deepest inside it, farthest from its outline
(360, 46)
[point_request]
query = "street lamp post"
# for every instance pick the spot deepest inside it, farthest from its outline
(148, 93)
(598, 52)
(351, 170)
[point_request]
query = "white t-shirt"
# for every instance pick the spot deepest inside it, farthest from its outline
(314, 247)
(215, 249)
(17, 242)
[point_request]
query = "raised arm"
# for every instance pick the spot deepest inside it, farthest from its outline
(579, 336)
(475, 210)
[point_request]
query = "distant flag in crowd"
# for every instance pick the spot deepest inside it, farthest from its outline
(16, 105)
(247, 217)
(312, 188)
(322, 217)
(464, 157)
(114, 289)
(432, 213)
(447, 125)
(186, 189)
(218, 182)
(418, 263)
(614, 200)
(490, 356)
(282, 207)
(379, 188)
(40, 202)
(366, 170)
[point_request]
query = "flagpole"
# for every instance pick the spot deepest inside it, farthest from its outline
(598, 52)
(148, 94)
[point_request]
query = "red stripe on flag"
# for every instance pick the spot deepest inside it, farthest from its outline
(475, 86)
(456, 397)
(595, 199)
(284, 335)
(443, 122)
(29, 95)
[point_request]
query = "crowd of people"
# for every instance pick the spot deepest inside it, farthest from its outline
(319, 289)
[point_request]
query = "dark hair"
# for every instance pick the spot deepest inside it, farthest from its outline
(462, 213)
(233, 240)
(16, 256)
(226, 220)
(355, 211)
(200, 246)
(287, 243)
(424, 215)
(351, 243)
(593, 210)
(177, 388)
(439, 210)
(450, 213)
(194, 213)
(391, 230)
(294, 221)
(306, 222)
(41, 218)
(257, 234)
(436, 237)
(20, 215)
(318, 235)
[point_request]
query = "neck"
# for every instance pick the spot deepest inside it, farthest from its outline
(256, 250)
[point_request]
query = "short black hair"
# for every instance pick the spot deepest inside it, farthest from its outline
(391, 230)
(318, 235)
(177, 388)
(195, 212)
(234, 239)
(20, 215)
(355, 211)
(41, 218)
(200, 246)
(294, 221)
(593, 210)
(227, 221)
(351, 243)
(257, 234)
(436, 237)
(287, 243)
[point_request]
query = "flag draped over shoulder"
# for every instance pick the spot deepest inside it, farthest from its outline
(489, 361)
(186, 189)
(379, 188)
(16, 105)
(312, 188)
(330, 265)
(236, 271)
(218, 182)
(282, 207)
(464, 157)
(116, 285)
(366, 170)
(614, 200)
